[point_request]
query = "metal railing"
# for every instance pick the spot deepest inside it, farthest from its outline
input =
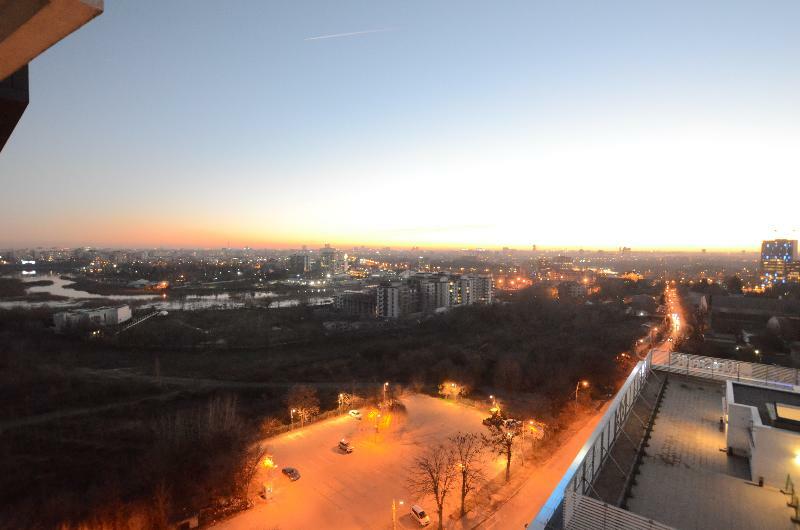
(595, 451)
(725, 369)
(586, 513)
(792, 502)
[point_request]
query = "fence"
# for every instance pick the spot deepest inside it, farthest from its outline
(725, 369)
(590, 459)
(792, 502)
(356, 403)
(586, 513)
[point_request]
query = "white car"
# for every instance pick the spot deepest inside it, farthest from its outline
(420, 516)
(355, 414)
(345, 447)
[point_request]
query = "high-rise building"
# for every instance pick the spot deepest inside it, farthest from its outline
(326, 257)
(778, 257)
(428, 292)
(332, 261)
(298, 264)
(484, 288)
(358, 303)
(390, 299)
(470, 289)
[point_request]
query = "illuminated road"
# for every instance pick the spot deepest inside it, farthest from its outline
(678, 326)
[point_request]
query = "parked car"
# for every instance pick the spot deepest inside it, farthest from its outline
(345, 447)
(291, 472)
(420, 515)
(355, 414)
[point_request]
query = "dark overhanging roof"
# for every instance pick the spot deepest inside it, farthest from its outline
(13, 101)
(27, 28)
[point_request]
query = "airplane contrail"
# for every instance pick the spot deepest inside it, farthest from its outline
(350, 34)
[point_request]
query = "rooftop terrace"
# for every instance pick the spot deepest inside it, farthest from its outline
(688, 481)
(660, 460)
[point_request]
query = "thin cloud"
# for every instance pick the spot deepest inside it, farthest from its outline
(350, 34)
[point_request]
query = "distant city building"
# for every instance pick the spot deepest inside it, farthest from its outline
(88, 318)
(332, 261)
(299, 264)
(779, 261)
(484, 289)
(358, 303)
(389, 299)
(571, 289)
(562, 263)
(429, 291)
(470, 289)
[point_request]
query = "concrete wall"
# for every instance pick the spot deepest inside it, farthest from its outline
(123, 314)
(740, 418)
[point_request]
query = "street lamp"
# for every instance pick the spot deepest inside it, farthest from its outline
(291, 417)
(395, 503)
(584, 383)
(385, 386)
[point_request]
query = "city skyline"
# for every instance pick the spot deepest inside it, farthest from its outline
(562, 127)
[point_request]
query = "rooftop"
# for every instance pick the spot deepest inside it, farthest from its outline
(687, 480)
(764, 399)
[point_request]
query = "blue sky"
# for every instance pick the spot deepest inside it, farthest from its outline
(195, 123)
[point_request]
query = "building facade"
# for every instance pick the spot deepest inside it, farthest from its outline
(299, 264)
(779, 261)
(91, 318)
(389, 299)
(357, 303)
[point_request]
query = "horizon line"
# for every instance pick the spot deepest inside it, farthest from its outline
(407, 247)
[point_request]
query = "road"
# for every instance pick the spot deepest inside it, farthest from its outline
(678, 326)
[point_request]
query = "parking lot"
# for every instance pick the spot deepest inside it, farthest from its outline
(338, 490)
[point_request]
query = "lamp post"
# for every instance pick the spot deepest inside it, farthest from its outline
(395, 503)
(581, 384)
(385, 387)
(291, 417)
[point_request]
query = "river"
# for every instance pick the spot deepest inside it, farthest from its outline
(167, 302)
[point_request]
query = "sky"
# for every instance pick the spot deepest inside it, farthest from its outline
(192, 123)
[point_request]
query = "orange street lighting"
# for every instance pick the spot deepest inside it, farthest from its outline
(584, 383)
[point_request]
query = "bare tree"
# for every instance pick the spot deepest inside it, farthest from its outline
(501, 441)
(303, 402)
(467, 452)
(250, 460)
(434, 473)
